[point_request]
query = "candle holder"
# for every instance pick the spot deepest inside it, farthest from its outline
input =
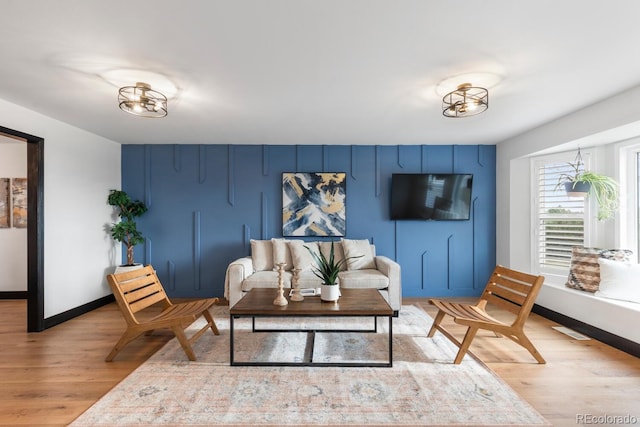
(280, 299)
(295, 285)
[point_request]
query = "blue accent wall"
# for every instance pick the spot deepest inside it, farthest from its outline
(207, 201)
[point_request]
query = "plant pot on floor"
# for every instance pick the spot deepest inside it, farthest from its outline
(329, 292)
(125, 268)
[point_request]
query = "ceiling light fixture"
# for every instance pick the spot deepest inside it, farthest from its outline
(142, 101)
(465, 101)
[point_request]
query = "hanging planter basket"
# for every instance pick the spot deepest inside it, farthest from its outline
(577, 188)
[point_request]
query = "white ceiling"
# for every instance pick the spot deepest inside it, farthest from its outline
(315, 72)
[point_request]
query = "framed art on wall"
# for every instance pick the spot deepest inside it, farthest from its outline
(19, 190)
(313, 204)
(4, 203)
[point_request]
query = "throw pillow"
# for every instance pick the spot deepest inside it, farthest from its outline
(338, 252)
(361, 249)
(300, 255)
(281, 253)
(584, 273)
(262, 255)
(619, 280)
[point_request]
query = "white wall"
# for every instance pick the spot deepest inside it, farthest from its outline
(13, 241)
(79, 170)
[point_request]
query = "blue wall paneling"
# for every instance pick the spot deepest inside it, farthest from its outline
(207, 201)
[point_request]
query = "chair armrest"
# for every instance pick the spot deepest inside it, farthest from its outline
(236, 273)
(391, 269)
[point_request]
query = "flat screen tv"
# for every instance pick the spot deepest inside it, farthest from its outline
(434, 196)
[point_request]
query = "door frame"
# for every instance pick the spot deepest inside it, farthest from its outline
(35, 227)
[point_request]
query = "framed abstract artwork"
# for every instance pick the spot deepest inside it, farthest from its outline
(4, 203)
(313, 204)
(19, 190)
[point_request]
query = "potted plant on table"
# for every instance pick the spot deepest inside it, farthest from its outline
(327, 270)
(126, 230)
(581, 183)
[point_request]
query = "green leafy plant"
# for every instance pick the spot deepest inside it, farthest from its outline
(604, 188)
(126, 230)
(328, 269)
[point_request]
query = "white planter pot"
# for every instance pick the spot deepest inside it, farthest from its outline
(125, 268)
(329, 292)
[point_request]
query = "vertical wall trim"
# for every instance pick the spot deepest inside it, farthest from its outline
(264, 207)
(148, 245)
(481, 155)
(231, 176)
(298, 158)
(449, 258)
(171, 266)
(197, 256)
(454, 151)
(147, 175)
(378, 172)
(265, 160)
(473, 245)
(398, 156)
(325, 158)
(425, 270)
(246, 238)
(354, 171)
(423, 156)
(202, 164)
(177, 158)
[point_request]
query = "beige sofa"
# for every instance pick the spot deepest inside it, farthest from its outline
(365, 271)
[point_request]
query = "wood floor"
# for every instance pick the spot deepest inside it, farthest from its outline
(50, 378)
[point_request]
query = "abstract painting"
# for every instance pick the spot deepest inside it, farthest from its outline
(19, 190)
(4, 203)
(313, 204)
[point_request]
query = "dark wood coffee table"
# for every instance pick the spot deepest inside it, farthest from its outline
(352, 303)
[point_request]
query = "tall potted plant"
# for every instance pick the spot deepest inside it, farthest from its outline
(126, 231)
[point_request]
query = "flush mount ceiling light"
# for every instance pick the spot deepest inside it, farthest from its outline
(142, 101)
(465, 101)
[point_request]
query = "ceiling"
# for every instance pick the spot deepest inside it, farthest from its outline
(315, 72)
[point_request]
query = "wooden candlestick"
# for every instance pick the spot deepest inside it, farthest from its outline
(280, 299)
(296, 295)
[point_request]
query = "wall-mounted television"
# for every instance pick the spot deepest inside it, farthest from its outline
(434, 196)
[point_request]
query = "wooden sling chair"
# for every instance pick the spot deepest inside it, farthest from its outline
(139, 289)
(509, 289)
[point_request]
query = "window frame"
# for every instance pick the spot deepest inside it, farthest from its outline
(557, 272)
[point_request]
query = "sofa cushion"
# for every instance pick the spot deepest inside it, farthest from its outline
(307, 279)
(363, 279)
(300, 255)
(584, 273)
(262, 255)
(338, 252)
(360, 249)
(619, 280)
(281, 253)
(265, 279)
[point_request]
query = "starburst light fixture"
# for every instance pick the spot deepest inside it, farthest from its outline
(142, 101)
(465, 101)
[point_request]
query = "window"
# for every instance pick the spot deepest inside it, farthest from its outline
(559, 220)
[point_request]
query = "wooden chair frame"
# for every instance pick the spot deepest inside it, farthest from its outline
(509, 289)
(139, 289)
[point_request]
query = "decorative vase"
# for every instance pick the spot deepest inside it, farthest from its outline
(125, 268)
(329, 292)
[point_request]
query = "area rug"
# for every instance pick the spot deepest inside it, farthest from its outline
(423, 388)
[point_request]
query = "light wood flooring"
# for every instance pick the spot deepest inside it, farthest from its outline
(50, 378)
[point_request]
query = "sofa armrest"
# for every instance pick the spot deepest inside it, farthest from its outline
(391, 269)
(236, 273)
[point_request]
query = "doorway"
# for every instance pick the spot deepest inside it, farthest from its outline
(35, 227)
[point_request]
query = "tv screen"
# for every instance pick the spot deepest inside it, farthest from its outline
(439, 197)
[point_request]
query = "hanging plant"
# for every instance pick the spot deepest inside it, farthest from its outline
(584, 183)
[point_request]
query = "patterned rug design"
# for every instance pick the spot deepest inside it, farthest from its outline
(422, 389)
